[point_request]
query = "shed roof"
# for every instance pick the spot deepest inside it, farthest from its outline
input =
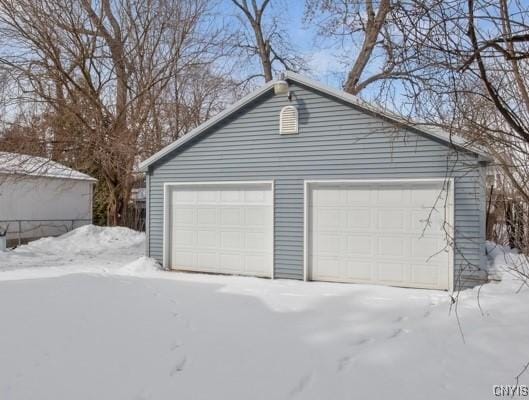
(428, 130)
(26, 165)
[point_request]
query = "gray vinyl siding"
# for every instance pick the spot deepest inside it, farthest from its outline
(335, 141)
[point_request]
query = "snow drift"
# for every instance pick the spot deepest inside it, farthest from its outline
(89, 239)
(90, 248)
(502, 260)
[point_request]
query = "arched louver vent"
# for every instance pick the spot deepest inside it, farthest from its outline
(288, 120)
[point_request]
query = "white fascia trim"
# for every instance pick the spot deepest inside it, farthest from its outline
(450, 217)
(165, 229)
(86, 178)
(207, 124)
(351, 99)
(147, 215)
(396, 180)
(166, 207)
(306, 229)
(211, 183)
(273, 189)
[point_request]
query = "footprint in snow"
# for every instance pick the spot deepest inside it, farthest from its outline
(175, 346)
(363, 341)
(344, 362)
(400, 319)
(398, 332)
(178, 367)
(301, 385)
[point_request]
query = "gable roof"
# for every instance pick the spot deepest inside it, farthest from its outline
(25, 165)
(428, 130)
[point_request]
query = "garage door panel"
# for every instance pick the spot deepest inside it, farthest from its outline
(206, 216)
(230, 216)
(360, 196)
(427, 197)
(391, 247)
(222, 229)
(231, 262)
(184, 197)
(330, 197)
(256, 216)
(358, 218)
(207, 196)
(207, 239)
(391, 219)
(254, 264)
(331, 217)
(425, 275)
(207, 260)
(255, 241)
(427, 249)
(427, 221)
(327, 267)
(257, 196)
(389, 196)
(184, 238)
(231, 240)
(184, 215)
(360, 270)
(186, 259)
(359, 245)
(328, 243)
(391, 272)
(230, 196)
(390, 236)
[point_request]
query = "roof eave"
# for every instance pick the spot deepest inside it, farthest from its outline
(289, 75)
(355, 101)
(144, 165)
(86, 178)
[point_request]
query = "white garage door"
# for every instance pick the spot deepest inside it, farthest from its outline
(222, 228)
(383, 233)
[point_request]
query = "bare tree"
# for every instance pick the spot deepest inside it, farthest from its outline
(266, 39)
(476, 56)
(374, 39)
(100, 75)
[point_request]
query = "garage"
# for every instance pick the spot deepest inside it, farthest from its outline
(391, 233)
(224, 227)
(353, 188)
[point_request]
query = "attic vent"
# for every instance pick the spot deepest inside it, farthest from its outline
(288, 120)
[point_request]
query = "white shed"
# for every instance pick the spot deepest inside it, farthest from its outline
(40, 197)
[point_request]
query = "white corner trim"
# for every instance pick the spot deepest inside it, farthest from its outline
(450, 218)
(305, 230)
(451, 221)
(166, 238)
(273, 272)
(147, 215)
(165, 231)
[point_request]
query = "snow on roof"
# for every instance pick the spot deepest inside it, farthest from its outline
(22, 164)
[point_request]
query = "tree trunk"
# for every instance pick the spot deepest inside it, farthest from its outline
(373, 26)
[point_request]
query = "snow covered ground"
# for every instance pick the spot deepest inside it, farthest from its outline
(84, 316)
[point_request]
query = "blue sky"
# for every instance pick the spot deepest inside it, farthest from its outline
(322, 61)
